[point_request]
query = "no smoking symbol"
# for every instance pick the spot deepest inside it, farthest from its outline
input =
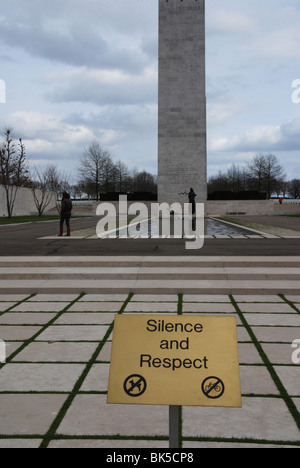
(135, 385)
(213, 388)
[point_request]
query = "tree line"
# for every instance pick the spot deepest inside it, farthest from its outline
(96, 174)
(263, 174)
(99, 174)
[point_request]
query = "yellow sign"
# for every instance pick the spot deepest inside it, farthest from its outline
(175, 360)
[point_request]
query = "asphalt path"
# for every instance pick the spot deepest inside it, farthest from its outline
(24, 240)
(285, 222)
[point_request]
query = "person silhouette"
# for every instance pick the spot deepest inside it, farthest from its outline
(192, 195)
(65, 214)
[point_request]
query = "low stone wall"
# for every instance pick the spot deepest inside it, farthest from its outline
(251, 207)
(24, 204)
(286, 208)
(239, 207)
(219, 208)
(212, 207)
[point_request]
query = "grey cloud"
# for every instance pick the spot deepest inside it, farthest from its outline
(282, 137)
(101, 87)
(73, 46)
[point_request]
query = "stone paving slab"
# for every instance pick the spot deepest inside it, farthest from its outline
(89, 414)
(290, 320)
(277, 334)
(12, 297)
(263, 308)
(248, 354)
(60, 356)
(53, 352)
(295, 299)
(23, 318)
(20, 332)
(151, 307)
(278, 353)
(20, 443)
(233, 445)
(257, 419)
(51, 298)
(95, 307)
(155, 298)
(79, 318)
(110, 444)
(40, 307)
(204, 298)
(290, 377)
(263, 298)
(39, 377)
(74, 333)
(103, 298)
(6, 305)
(26, 414)
(208, 308)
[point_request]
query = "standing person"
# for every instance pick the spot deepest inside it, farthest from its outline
(192, 197)
(65, 214)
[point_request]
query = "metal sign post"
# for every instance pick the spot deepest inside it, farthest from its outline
(174, 427)
(175, 361)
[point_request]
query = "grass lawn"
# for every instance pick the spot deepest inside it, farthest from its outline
(292, 215)
(27, 219)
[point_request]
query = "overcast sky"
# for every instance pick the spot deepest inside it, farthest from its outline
(83, 70)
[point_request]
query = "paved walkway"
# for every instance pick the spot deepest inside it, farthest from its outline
(40, 239)
(54, 383)
(284, 222)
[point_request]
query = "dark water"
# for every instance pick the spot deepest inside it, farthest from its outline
(211, 227)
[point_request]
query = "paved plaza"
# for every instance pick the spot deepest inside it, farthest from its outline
(58, 300)
(33, 239)
(53, 386)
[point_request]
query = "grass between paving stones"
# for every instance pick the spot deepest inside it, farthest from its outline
(43, 327)
(291, 304)
(285, 396)
(52, 432)
(50, 435)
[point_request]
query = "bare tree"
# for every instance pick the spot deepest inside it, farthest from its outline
(256, 171)
(144, 182)
(13, 168)
(78, 189)
(108, 175)
(236, 178)
(273, 173)
(294, 188)
(42, 188)
(266, 172)
(95, 168)
(122, 177)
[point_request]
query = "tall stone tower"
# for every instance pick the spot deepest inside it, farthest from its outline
(182, 101)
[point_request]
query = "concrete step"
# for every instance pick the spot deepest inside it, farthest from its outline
(161, 286)
(139, 261)
(152, 275)
(155, 272)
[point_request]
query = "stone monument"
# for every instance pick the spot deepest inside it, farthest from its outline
(182, 101)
